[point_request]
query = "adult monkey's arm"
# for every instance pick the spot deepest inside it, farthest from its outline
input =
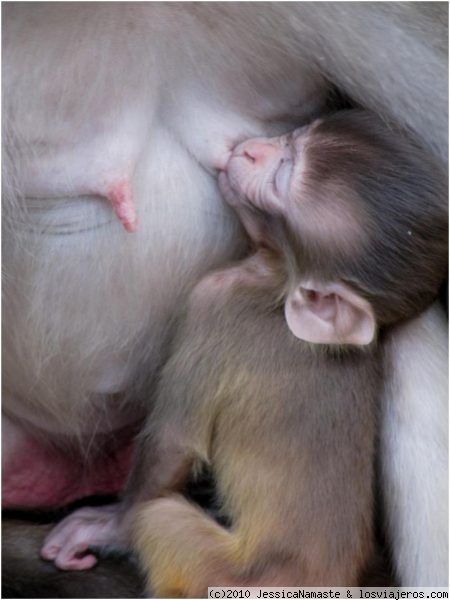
(392, 57)
(414, 449)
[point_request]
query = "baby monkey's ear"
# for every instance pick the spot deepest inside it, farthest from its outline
(329, 313)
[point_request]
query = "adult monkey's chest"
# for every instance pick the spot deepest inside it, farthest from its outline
(95, 108)
(115, 99)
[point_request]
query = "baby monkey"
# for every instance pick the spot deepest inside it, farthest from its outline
(275, 373)
(274, 379)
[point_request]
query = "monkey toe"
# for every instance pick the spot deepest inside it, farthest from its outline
(50, 552)
(69, 544)
(75, 560)
(69, 556)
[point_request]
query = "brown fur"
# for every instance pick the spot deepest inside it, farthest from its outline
(287, 427)
(356, 164)
(300, 498)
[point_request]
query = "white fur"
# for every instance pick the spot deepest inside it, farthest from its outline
(81, 295)
(414, 450)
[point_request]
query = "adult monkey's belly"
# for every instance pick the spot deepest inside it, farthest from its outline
(155, 94)
(83, 346)
(85, 321)
(86, 304)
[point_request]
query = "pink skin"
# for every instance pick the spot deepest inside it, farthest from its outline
(36, 476)
(121, 197)
(260, 173)
(68, 543)
(41, 477)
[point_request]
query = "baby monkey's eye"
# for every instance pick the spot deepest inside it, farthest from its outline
(283, 176)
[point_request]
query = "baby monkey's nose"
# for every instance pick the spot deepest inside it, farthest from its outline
(258, 152)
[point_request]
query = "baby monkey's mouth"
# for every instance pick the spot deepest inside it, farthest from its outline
(228, 181)
(257, 223)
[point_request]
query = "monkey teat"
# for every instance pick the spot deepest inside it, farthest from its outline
(121, 197)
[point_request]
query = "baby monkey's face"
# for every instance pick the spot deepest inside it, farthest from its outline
(263, 179)
(262, 176)
(358, 211)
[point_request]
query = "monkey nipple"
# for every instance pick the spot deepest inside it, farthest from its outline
(121, 197)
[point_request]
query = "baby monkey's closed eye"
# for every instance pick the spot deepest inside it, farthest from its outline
(283, 176)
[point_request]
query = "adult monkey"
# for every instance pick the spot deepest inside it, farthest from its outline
(116, 101)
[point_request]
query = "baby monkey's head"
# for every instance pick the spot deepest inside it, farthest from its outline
(359, 214)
